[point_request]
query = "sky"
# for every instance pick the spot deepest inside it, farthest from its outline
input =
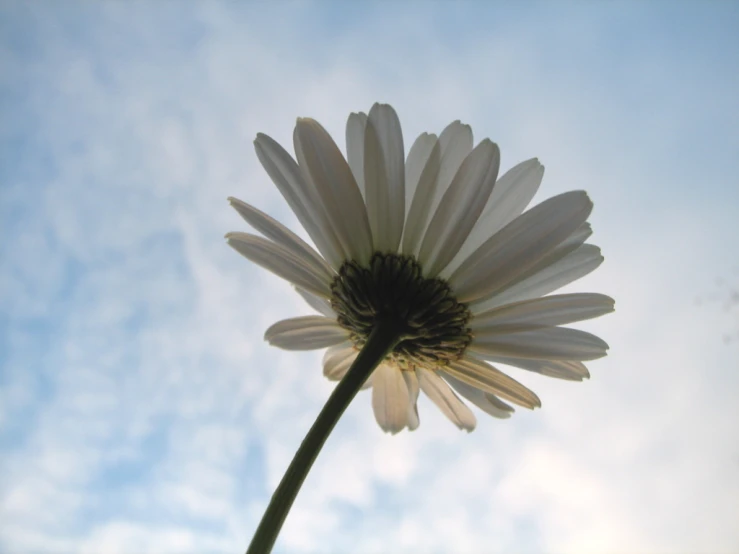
(141, 410)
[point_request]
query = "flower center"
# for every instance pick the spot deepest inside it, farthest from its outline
(392, 287)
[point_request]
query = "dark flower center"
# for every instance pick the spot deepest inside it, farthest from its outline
(434, 324)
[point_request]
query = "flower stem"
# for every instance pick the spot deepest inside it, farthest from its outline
(384, 337)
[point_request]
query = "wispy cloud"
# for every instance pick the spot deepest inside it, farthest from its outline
(140, 411)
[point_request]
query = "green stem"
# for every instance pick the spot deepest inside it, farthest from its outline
(381, 341)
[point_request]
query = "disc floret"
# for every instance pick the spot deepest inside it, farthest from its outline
(433, 323)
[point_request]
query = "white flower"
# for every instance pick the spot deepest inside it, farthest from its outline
(439, 243)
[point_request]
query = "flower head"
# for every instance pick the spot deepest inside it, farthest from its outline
(441, 246)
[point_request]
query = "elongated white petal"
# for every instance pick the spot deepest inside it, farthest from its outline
(338, 359)
(306, 333)
(563, 250)
(390, 398)
(460, 207)
(520, 245)
(511, 194)
(411, 381)
(280, 261)
(546, 279)
(485, 377)
(560, 369)
(321, 305)
(301, 198)
(355, 126)
(274, 230)
(455, 143)
(560, 309)
(419, 211)
(415, 163)
(545, 343)
(449, 403)
(487, 402)
(384, 177)
(576, 239)
(322, 161)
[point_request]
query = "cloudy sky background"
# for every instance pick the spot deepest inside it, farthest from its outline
(140, 409)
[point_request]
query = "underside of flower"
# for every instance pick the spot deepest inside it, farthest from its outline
(433, 323)
(433, 247)
(429, 268)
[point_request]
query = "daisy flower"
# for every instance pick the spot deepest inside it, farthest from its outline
(432, 262)
(439, 243)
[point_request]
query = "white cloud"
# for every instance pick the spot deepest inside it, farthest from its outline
(156, 419)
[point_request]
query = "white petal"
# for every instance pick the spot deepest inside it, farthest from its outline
(274, 230)
(416, 163)
(576, 239)
(390, 398)
(546, 343)
(449, 403)
(559, 309)
(520, 245)
(306, 333)
(560, 369)
(322, 161)
(279, 261)
(545, 279)
(301, 198)
(411, 381)
(511, 194)
(355, 126)
(563, 250)
(321, 305)
(485, 377)
(419, 211)
(338, 359)
(384, 177)
(460, 207)
(488, 403)
(455, 143)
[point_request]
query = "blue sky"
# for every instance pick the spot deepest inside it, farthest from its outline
(140, 409)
